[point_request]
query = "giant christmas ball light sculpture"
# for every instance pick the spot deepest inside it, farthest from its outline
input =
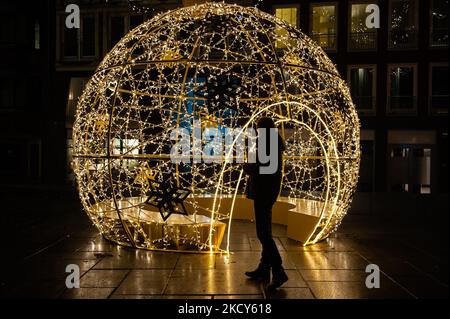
(223, 66)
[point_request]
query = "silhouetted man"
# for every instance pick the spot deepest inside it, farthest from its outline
(264, 188)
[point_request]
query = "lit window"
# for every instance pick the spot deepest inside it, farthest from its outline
(360, 36)
(324, 26)
(75, 90)
(127, 148)
(403, 24)
(362, 81)
(37, 35)
(402, 88)
(289, 15)
(439, 23)
(439, 97)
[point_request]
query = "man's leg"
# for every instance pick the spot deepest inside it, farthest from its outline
(270, 249)
(263, 218)
(262, 231)
(263, 270)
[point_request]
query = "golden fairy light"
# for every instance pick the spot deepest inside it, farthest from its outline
(219, 65)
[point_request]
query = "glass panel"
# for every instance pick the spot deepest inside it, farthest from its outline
(421, 171)
(10, 159)
(7, 27)
(89, 36)
(403, 33)
(324, 26)
(70, 42)
(361, 37)
(401, 94)
(290, 16)
(6, 94)
(439, 88)
(361, 87)
(37, 35)
(75, 90)
(366, 170)
(117, 29)
(439, 22)
(399, 169)
(135, 21)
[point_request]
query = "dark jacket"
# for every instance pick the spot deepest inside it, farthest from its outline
(265, 186)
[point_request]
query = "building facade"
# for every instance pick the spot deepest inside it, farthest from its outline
(26, 120)
(398, 77)
(397, 73)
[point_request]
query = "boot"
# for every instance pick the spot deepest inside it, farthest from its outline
(279, 277)
(261, 273)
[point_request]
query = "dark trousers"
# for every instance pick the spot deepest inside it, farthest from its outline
(263, 217)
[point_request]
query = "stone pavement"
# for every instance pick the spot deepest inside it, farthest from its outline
(412, 258)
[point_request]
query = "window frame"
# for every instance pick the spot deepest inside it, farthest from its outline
(349, 26)
(79, 56)
(416, 24)
(430, 30)
(372, 111)
(126, 26)
(336, 10)
(285, 6)
(432, 111)
(413, 110)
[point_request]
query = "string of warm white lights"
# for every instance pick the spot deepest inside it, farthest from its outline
(225, 66)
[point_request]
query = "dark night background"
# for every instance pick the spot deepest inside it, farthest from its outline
(403, 187)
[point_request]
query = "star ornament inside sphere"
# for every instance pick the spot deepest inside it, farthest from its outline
(220, 91)
(167, 197)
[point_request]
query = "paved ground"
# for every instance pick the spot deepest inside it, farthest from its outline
(44, 233)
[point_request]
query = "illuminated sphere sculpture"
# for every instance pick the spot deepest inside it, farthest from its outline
(223, 66)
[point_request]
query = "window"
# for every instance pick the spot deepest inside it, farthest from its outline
(439, 100)
(127, 147)
(402, 88)
(439, 23)
(409, 168)
(75, 90)
(362, 81)
(7, 102)
(88, 38)
(7, 29)
(117, 30)
(367, 166)
(70, 43)
(81, 43)
(135, 21)
(37, 35)
(403, 24)
(288, 14)
(121, 25)
(10, 160)
(360, 36)
(324, 25)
